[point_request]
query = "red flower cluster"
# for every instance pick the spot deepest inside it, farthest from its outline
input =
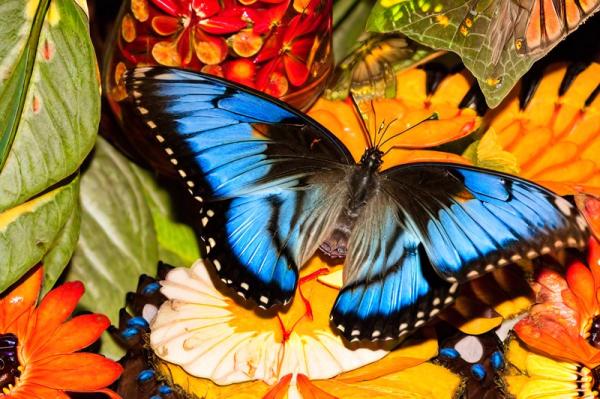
(265, 44)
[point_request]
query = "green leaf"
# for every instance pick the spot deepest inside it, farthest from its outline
(62, 249)
(39, 229)
(49, 95)
(487, 48)
(349, 19)
(487, 153)
(117, 241)
(128, 223)
(177, 241)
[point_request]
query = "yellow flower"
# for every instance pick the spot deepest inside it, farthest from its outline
(532, 376)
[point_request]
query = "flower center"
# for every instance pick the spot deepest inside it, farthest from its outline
(9, 362)
(594, 332)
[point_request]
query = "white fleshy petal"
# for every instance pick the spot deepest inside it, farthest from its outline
(195, 329)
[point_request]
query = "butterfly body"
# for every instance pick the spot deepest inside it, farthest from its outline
(274, 187)
(363, 183)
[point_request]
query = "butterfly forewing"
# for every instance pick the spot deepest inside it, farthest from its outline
(471, 220)
(267, 179)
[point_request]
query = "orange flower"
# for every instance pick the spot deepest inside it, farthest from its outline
(39, 345)
(565, 322)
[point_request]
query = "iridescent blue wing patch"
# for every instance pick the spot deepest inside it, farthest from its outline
(390, 287)
(268, 179)
(471, 220)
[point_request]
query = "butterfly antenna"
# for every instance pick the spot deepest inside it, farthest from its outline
(385, 130)
(361, 120)
(432, 117)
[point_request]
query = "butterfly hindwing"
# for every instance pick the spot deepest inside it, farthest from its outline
(390, 287)
(471, 220)
(266, 178)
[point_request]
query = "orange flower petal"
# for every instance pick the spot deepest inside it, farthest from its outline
(594, 259)
(109, 393)
(74, 335)
(54, 309)
(34, 391)
(77, 372)
(310, 391)
(20, 299)
(581, 282)
(280, 390)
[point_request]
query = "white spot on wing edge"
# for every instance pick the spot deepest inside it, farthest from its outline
(563, 205)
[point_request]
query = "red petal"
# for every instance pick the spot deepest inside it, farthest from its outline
(222, 25)
(74, 335)
(22, 297)
(265, 20)
(165, 26)
(271, 48)
(206, 8)
(168, 6)
(265, 72)
(184, 48)
(301, 48)
(299, 25)
(76, 372)
(54, 309)
(296, 70)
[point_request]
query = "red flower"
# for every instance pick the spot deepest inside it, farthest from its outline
(41, 346)
(192, 24)
(290, 50)
(565, 321)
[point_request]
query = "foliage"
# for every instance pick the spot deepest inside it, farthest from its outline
(48, 71)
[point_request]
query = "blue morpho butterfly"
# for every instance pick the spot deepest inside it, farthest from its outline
(275, 187)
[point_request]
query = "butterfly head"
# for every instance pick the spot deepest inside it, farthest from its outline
(372, 159)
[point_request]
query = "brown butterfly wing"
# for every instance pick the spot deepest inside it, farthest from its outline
(549, 21)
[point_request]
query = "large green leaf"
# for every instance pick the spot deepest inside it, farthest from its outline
(49, 95)
(39, 230)
(118, 240)
(177, 242)
(481, 35)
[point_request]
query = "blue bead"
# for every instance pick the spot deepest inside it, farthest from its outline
(151, 288)
(145, 375)
(450, 353)
(130, 332)
(155, 397)
(497, 360)
(478, 371)
(164, 389)
(138, 322)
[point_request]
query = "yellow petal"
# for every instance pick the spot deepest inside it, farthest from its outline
(471, 317)
(333, 280)
(540, 388)
(410, 354)
(425, 381)
(204, 388)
